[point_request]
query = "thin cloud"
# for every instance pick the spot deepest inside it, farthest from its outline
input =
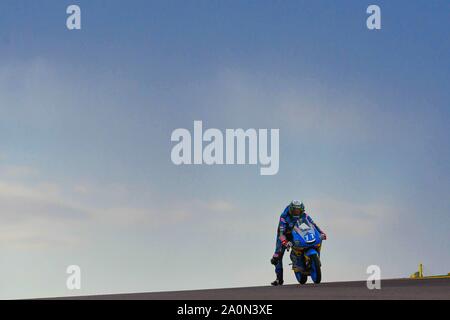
(349, 219)
(17, 171)
(41, 214)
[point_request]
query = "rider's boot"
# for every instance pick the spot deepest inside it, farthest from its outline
(279, 281)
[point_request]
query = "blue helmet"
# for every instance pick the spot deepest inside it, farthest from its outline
(296, 208)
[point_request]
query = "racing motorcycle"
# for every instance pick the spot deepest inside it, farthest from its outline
(305, 252)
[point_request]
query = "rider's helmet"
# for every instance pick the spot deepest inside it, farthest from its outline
(296, 208)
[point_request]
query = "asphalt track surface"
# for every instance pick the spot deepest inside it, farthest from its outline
(402, 289)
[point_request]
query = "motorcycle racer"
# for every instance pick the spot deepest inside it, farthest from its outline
(294, 213)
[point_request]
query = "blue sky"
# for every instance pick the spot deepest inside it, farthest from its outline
(86, 118)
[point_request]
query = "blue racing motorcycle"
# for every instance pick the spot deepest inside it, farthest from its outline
(305, 252)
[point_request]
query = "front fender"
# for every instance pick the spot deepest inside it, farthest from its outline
(311, 252)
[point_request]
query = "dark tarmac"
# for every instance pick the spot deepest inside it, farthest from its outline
(403, 289)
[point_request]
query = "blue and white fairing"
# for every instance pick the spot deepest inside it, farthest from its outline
(306, 238)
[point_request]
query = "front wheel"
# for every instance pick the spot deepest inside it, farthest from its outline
(316, 273)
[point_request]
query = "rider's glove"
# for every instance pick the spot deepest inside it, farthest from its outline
(286, 243)
(323, 236)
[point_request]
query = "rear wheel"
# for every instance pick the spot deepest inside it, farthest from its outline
(301, 278)
(316, 272)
